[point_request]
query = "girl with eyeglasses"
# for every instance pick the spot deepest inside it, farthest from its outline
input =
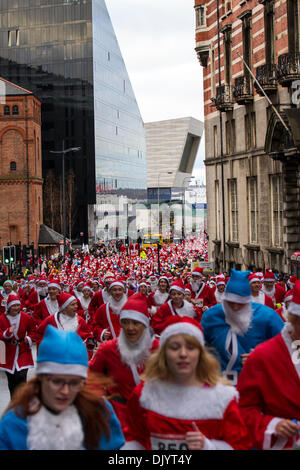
(60, 409)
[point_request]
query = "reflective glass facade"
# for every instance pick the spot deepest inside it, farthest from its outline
(66, 52)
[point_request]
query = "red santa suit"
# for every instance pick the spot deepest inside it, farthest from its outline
(158, 298)
(3, 302)
(43, 309)
(106, 319)
(269, 388)
(18, 353)
(63, 322)
(125, 374)
(167, 310)
(263, 299)
(204, 295)
(160, 413)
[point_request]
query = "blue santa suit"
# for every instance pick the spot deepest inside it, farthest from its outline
(14, 432)
(265, 324)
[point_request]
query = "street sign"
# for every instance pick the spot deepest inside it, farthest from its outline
(208, 267)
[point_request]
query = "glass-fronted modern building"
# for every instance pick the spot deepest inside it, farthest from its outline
(66, 52)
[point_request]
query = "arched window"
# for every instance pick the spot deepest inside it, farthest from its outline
(13, 166)
(15, 109)
(6, 110)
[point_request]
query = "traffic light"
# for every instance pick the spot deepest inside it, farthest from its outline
(12, 254)
(6, 255)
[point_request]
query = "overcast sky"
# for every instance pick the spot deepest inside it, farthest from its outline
(157, 41)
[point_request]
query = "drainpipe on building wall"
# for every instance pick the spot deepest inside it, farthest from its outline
(221, 139)
(27, 171)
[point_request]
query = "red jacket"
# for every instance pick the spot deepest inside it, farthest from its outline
(18, 351)
(166, 310)
(205, 294)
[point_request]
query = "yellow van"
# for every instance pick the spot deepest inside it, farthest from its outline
(152, 240)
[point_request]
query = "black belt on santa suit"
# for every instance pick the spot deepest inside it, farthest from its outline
(15, 341)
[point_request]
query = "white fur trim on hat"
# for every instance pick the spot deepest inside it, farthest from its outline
(67, 302)
(294, 309)
(179, 289)
(135, 315)
(54, 284)
(181, 328)
(65, 369)
(239, 299)
(13, 302)
(116, 283)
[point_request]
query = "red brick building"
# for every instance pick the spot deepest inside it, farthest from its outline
(249, 51)
(21, 208)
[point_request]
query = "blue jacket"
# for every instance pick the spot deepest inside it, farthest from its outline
(14, 432)
(265, 324)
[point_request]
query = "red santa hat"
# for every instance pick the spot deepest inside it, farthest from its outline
(288, 296)
(294, 307)
(136, 308)
(254, 278)
(54, 283)
(64, 299)
(269, 276)
(178, 285)
(220, 280)
(176, 325)
(197, 272)
(291, 281)
(165, 278)
(88, 286)
(12, 300)
(116, 282)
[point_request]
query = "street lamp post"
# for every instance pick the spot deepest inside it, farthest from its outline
(63, 152)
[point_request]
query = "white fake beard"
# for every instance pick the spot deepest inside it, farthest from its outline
(42, 291)
(219, 296)
(68, 323)
(117, 306)
(239, 321)
(135, 353)
(187, 310)
(270, 293)
(153, 285)
(160, 297)
(195, 285)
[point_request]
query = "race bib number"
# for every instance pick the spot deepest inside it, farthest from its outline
(168, 442)
(200, 302)
(3, 303)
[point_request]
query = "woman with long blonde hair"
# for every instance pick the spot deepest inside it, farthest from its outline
(183, 402)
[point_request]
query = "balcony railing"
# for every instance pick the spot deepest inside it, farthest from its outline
(224, 99)
(266, 76)
(242, 91)
(288, 68)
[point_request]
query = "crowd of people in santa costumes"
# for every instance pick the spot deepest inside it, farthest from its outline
(123, 358)
(175, 350)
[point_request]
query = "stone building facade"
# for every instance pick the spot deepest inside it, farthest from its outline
(21, 208)
(249, 51)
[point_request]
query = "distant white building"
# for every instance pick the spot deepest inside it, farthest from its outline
(171, 147)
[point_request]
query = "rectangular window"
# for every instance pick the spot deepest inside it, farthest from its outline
(200, 16)
(252, 209)
(276, 210)
(230, 136)
(233, 210)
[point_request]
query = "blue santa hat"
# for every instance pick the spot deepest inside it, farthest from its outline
(238, 287)
(62, 352)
